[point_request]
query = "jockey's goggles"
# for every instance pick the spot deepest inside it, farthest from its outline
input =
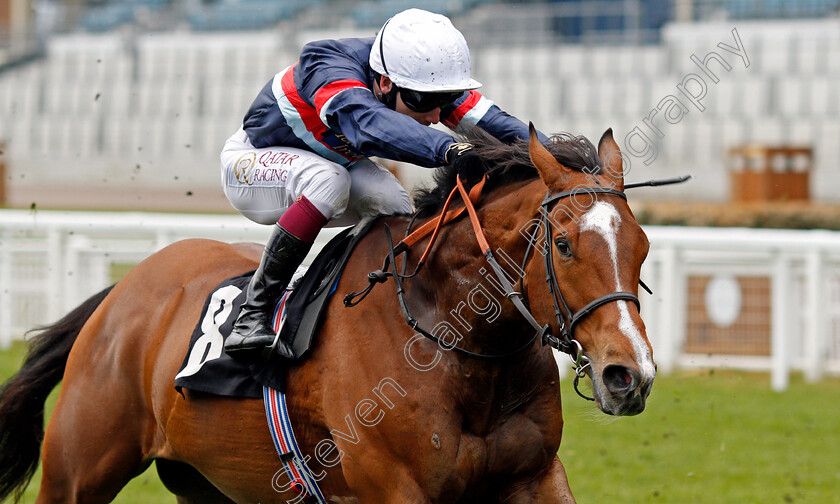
(420, 101)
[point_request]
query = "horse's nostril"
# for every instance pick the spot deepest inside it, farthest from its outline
(619, 379)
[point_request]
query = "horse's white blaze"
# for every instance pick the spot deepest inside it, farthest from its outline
(604, 219)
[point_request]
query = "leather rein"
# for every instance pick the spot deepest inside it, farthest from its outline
(566, 319)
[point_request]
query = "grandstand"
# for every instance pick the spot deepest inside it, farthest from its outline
(126, 104)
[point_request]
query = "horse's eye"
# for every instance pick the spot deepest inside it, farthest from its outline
(563, 247)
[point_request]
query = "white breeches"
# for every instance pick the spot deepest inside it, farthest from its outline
(262, 183)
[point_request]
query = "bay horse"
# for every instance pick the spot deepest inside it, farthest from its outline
(384, 414)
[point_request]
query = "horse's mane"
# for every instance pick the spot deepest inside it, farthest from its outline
(507, 163)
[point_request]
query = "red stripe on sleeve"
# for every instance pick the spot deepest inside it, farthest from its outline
(333, 88)
(455, 117)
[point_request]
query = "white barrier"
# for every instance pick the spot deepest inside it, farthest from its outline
(51, 261)
(803, 269)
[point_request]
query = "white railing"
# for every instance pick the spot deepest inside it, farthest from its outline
(803, 273)
(51, 261)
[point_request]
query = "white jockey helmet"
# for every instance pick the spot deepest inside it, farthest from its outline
(422, 51)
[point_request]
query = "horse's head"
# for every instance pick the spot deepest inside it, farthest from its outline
(596, 249)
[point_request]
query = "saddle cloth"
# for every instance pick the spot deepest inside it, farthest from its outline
(207, 368)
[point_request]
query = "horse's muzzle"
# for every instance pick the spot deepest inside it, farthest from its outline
(624, 391)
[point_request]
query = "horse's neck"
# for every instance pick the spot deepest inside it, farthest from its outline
(460, 277)
(496, 389)
(469, 301)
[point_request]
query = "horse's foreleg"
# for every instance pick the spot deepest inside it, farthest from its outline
(551, 487)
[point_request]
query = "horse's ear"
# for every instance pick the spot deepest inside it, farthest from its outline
(611, 159)
(552, 173)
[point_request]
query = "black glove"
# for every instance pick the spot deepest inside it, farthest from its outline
(467, 163)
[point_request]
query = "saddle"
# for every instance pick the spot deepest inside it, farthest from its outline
(297, 314)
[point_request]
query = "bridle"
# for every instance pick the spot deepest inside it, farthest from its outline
(566, 319)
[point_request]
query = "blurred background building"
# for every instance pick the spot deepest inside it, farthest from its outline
(126, 103)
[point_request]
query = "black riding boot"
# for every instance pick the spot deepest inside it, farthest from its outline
(253, 332)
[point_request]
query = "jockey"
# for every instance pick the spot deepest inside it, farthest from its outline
(300, 160)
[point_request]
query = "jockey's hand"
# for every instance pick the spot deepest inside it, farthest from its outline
(467, 163)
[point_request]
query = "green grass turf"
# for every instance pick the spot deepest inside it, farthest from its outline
(707, 437)
(716, 437)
